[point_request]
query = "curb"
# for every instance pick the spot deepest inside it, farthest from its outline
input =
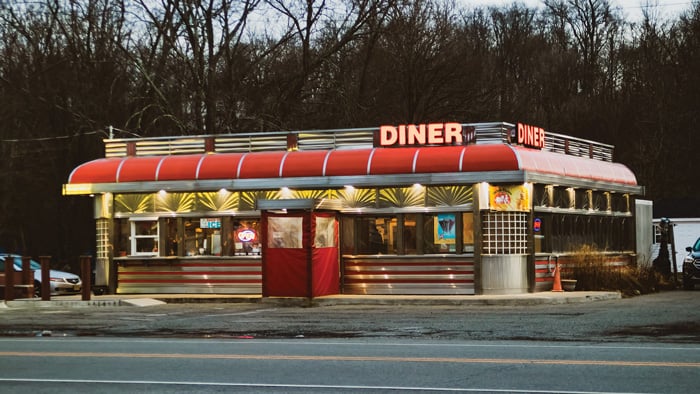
(542, 298)
(30, 303)
(507, 300)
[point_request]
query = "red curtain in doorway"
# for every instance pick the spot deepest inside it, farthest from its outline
(285, 255)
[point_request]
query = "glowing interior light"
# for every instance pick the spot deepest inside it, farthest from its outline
(285, 192)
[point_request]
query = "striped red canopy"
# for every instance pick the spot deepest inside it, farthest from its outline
(348, 162)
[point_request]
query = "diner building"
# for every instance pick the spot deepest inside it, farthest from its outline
(438, 208)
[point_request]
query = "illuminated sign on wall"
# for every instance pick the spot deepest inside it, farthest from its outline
(425, 134)
(246, 235)
(530, 136)
(210, 223)
(537, 225)
(509, 198)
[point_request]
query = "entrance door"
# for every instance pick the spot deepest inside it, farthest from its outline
(300, 254)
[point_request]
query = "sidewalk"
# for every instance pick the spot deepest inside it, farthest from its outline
(145, 300)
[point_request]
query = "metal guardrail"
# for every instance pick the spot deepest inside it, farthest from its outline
(485, 133)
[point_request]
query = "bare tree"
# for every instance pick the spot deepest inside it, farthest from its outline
(418, 60)
(320, 30)
(60, 81)
(192, 43)
(520, 51)
(593, 25)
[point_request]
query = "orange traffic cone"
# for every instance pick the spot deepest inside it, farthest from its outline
(556, 286)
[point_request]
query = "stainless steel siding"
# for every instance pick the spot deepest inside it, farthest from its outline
(504, 274)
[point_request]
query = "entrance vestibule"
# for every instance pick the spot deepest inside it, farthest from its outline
(299, 250)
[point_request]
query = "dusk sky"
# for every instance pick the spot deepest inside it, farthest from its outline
(632, 9)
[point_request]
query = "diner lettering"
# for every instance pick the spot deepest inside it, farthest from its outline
(530, 136)
(421, 134)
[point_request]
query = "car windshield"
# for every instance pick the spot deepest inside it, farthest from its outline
(696, 247)
(33, 265)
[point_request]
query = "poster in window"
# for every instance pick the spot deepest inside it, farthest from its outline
(284, 232)
(445, 229)
(325, 232)
(509, 198)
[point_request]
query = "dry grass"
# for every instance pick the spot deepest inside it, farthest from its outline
(593, 274)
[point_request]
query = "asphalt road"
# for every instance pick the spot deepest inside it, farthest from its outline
(377, 365)
(666, 317)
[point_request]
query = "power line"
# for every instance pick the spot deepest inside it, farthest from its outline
(658, 5)
(109, 135)
(60, 137)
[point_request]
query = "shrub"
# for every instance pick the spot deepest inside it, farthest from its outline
(593, 273)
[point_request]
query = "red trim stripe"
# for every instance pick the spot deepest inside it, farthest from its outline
(190, 273)
(393, 273)
(412, 263)
(219, 281)
(370, 281)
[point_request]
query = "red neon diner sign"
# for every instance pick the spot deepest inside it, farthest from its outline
(450, 133)
(530, 136)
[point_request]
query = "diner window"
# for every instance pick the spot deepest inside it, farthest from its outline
(583, 198)
(468, 232)
(600, 201)
(620, 202)
(347, 235)
(410, 235)
(376, 235)
(122, 234)
(144, 236)
(563, 197)
(203, 236)
(571, 233)
(542, 195)
(172, 238)
(246, 237)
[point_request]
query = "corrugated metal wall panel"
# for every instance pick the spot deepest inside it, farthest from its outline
(419, 275)
(206, 276)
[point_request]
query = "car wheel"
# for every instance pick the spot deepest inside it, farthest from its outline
(37, 289)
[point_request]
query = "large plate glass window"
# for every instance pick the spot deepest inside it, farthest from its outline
(376, 235)
(468, 232)
(144, 236)
(246, 237)
(203, 236)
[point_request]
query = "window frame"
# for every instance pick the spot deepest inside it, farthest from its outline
(133, 237)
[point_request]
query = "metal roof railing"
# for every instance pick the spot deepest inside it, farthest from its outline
(485, 133)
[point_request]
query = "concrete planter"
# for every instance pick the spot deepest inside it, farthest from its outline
(568, 284)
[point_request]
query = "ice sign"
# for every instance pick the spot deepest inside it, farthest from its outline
(210, 223)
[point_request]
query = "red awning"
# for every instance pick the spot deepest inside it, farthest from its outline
(348, 162)
(544, 162)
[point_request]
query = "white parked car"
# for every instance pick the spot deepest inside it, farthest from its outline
(61, 282)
